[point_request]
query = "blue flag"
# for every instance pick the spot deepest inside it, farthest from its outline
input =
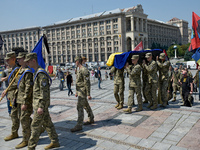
(38, 50)
(196, 56)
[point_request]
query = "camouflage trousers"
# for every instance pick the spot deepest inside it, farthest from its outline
(143, 88)
(25, 120)
(15, 119)
(175, 89)
(163, 85)
(150, 92)
(83, 104)
(36, 125)
(133, 90)
(119, 88)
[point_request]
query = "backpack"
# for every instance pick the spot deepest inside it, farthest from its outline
(96, 74)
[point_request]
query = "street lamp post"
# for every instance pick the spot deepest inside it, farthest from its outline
(175, 48)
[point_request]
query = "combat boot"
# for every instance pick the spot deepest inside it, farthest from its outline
(76, 128)
(117, 105)
(128, 110)
(164, 104)
(139, 108)
(174, 100)
(90, 121)
(11, 137)
(120, 106)
(153, 107)
(52, 145)
(150, 104)
(22, 144)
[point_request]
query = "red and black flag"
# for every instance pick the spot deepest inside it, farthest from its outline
(195, 38)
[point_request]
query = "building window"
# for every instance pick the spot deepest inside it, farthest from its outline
(78, 26)
(101, 28)
(108, 32)
(95, 24)
(115, 20)
(95, 28)
(72, 27)
(89, 29)
(77, 31)
(89, 24)
(101, 22)
(115, 31)
(101, 33)
(108, 27)
(107, 21)
(115, 26)
(83, 25)
(95, 33)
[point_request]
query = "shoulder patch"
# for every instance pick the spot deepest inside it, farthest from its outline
(44, 82)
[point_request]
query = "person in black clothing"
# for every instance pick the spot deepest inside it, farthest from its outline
(99, 77)
(69, 82)
(187, 89)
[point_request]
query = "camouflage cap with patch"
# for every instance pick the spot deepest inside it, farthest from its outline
(135, 57)
(30, 56)
(22, 54)
(162, 55)
(77, 58)
(148, 55)
(84, 58)
(10, 55)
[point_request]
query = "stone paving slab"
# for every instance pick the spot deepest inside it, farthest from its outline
(173, 128)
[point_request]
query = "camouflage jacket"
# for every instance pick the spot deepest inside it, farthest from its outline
(176, 77)
(134, 75)
(163, 68)
(118, 75)
(41, 90)
(25, 87)
(151, 68)
(196, 78)
(11, 94)
(83, 79)
(144, 74)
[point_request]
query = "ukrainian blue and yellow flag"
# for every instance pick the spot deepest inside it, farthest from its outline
(196, 56)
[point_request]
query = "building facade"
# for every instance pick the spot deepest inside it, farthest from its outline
(96, 36)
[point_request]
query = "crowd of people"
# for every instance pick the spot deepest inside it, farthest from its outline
(160, 83)
(29, 92)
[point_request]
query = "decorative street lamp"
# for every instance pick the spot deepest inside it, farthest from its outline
(175, 48)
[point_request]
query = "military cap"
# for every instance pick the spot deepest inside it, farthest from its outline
(162, 55)
(148, 55)
(21, 54)
(84, 58)
(30, 56)
(135, 57)
(10, 55)
(78, 58)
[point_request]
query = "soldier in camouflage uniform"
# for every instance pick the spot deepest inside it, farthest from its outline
(134, 84)
(176, 85)
(82, 91)
(170, 88)
(144, 83)
(118, 86)
(152, 85)
(11, 60)
(41, 102)
(163, 67)
(24, 99)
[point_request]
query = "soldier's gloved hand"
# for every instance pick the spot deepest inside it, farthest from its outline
(76, 95)
(24, 107)
(89, 97)
(40, 111)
